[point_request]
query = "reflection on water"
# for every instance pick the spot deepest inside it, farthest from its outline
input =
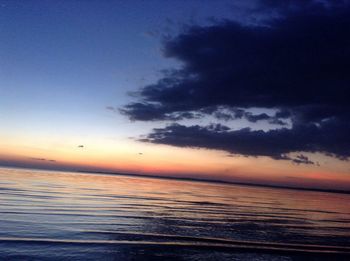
(45, 215)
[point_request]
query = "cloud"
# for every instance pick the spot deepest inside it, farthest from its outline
(111, 108)
(42, 159)
(296, 63)
(299, 159)
(276, 143)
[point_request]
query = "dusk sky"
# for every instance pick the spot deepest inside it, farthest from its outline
(247, 91)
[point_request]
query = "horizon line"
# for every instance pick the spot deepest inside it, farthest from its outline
(190, 179)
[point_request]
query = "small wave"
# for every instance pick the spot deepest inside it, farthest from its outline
(221, 240)
(212, 244)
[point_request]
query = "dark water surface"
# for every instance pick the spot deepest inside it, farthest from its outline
(47, 215)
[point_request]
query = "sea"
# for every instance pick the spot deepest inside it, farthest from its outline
(52, 215)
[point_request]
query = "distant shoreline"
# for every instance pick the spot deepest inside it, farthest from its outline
(215, 181)
(339, 191)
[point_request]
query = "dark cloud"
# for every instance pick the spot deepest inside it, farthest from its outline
(227, 114)
(296, 63)
(277, 143)
(302, 159)
(151, 112)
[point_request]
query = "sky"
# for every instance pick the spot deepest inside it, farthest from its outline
(247, 91)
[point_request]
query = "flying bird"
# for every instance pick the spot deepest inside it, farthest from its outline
(81, 146)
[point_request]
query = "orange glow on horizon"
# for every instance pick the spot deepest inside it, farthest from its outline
(129, 156)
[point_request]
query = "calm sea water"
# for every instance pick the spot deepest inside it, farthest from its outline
(46, 215)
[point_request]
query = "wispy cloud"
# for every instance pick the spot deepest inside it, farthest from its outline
(43, 159)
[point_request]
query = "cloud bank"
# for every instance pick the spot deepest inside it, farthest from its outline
(296, 63)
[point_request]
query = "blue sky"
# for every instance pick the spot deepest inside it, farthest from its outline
(63, 62)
